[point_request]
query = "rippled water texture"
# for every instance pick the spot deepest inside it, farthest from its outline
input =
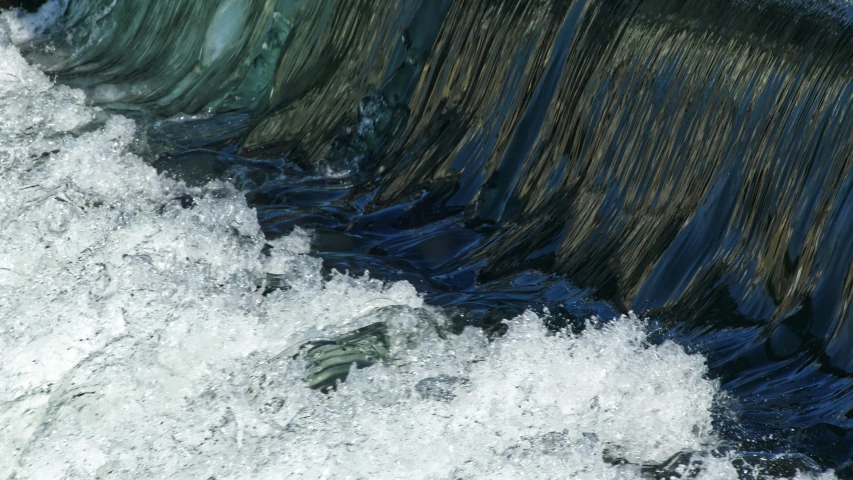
(683, 159)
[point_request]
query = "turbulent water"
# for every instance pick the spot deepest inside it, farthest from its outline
(576, 238)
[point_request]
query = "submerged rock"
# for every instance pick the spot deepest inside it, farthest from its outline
(442, 387)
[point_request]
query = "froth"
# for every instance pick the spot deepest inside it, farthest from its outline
(24, 26)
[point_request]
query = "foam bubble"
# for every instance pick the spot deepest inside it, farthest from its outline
(24, 26)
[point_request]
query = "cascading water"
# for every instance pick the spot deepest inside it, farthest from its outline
(405, 239)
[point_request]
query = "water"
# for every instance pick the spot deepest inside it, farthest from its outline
(195, 190)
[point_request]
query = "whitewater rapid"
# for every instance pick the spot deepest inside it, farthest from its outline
(138, 340)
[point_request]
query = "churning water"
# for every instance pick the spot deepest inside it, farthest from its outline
(406, 239)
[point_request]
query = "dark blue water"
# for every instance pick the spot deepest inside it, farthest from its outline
(688, 160)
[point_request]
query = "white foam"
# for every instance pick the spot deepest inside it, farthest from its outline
(135, 342)
(24, 26)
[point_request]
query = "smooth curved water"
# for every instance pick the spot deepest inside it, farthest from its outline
(505, 169)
